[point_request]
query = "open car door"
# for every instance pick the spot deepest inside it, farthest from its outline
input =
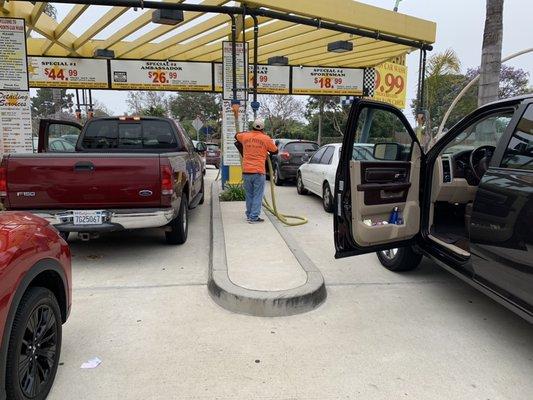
(377, 200)
(57, 136)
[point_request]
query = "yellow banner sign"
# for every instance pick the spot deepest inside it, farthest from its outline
(391, 84)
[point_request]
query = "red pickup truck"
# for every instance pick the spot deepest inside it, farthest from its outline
(124, 173)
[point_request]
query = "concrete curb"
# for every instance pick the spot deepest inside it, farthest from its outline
(257, 302)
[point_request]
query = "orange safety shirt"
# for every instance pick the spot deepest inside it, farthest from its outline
(256, 146)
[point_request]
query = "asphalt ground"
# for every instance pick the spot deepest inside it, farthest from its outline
(143, 308)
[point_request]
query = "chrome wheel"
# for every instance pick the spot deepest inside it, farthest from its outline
(389, 254)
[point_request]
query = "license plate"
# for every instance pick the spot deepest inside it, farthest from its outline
(211, 154)
(88, 217)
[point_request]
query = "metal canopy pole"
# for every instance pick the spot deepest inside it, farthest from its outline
(255, 104)
(314, 22)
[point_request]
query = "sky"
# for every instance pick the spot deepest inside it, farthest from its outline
(460, 25)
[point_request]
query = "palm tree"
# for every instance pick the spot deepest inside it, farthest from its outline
(491, 54)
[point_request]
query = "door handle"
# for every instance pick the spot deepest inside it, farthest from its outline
(83, 166)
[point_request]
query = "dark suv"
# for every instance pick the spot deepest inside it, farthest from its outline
(291, 154)
(467, 203)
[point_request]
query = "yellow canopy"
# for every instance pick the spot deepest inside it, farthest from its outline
(199, 36)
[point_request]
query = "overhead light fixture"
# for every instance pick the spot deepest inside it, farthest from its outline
(104, 53)
(278, 60)
(341, 46)
(167, 17)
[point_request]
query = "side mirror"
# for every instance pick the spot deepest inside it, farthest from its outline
(201, 147)
(387, 151)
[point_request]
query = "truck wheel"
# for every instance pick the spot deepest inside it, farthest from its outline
(400, 259)
(34, 346)
(180, 225)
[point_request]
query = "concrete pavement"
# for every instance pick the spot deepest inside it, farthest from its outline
(143, 308)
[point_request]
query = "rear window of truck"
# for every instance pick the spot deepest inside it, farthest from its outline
(113, 134)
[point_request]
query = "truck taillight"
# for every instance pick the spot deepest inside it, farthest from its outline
(167, 184)
(3, 182)
(285, 155)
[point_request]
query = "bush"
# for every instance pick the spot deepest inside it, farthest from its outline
(233, 192)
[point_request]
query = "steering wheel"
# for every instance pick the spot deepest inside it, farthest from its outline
(480, 160)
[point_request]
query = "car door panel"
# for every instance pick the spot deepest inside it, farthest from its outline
(367, 192)
(374, 200)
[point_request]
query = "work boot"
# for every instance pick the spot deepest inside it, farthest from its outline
(253, 221)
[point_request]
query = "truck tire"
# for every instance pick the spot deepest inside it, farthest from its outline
(400, 259)
(179, 227)
(32, 363)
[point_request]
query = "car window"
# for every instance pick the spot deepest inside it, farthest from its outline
(328, 155)
(486, 131)
(317, 156)
(384, 127)
(212, 147)
(519, 153)
(113, 134)
(362, 153)
(56, 146)
(301, 147)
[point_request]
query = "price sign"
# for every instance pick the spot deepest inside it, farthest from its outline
(270, 79)
(161, 75)
(391, 84)
(327, 81)
(67, 72)
(229, 130)
(241, 65)
(13, 63)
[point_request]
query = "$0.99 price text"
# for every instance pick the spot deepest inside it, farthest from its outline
(325, 82)
(389, 83)
(59, 74)
(162, 76)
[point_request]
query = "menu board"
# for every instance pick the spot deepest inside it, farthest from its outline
(13, 63)
(241, 50)
(327, 81)
(231, 154)
(391, 84)
(68, 72)
(270, 79)
(161, 75)
(15, 122)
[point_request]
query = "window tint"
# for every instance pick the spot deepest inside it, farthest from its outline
(301, 147)
(158, 134)
(317, 156)
(328, 155)
(58, 133)
(519, 153)
(486, 131)
(384, 126)
(112, 134)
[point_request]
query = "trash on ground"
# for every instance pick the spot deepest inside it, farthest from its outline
(92, 363)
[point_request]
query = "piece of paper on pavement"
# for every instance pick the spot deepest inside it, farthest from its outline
(92, 363)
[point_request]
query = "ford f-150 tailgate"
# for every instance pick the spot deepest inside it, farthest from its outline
(83, 181)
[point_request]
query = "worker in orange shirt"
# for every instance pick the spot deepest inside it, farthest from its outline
(256, 145)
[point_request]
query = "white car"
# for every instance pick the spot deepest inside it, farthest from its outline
(318, 174)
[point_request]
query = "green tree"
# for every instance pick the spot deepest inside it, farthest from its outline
(154, 111)
(187, 106)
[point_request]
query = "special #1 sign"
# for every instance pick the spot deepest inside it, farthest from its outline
(161, 75)
(327, 81)
(68, 72)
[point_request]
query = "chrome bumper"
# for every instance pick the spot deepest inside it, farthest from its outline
(113, 220)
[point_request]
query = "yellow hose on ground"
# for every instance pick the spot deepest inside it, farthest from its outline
(273, 209)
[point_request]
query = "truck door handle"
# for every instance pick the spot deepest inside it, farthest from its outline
(83, 166)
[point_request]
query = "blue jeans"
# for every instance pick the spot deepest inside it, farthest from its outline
(254, 188)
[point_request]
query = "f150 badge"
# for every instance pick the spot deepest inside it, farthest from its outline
(25, 194)
(145, 193)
